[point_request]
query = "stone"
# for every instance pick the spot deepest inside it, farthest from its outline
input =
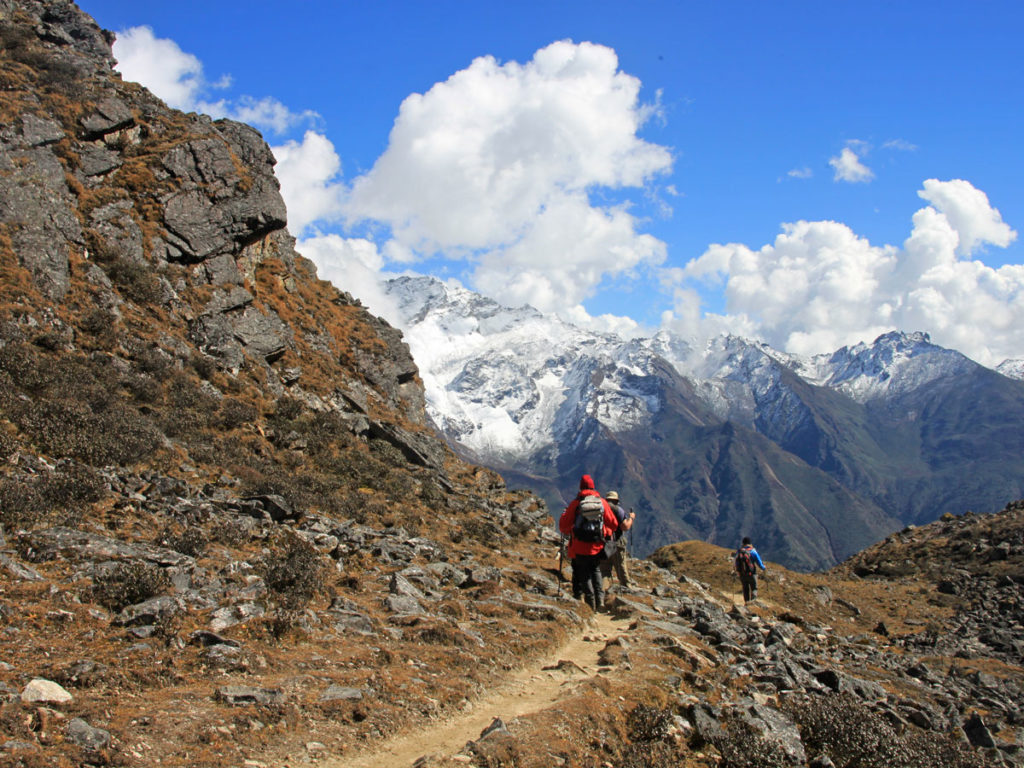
(40, 691)
(38, 131)
(150, 612)
(81, 734)
(17, 570)
(978, 733)
(111, 115)
(341, 693)
(262, 334)
(245, 695)
(497, 726)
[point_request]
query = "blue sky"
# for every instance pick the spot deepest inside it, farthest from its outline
(809, 173)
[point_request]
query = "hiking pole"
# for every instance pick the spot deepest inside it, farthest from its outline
(561, 560)
(629, 536)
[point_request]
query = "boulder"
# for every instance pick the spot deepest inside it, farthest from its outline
(81, 734)
(40, 691)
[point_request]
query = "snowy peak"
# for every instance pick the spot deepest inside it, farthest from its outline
(1012, 369)
(892, 364)
(510, 383)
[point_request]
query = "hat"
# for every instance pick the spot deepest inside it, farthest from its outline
(612, 496)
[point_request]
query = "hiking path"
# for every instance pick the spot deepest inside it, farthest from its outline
(534, 688)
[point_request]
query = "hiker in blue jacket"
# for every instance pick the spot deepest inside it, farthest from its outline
(747, 563)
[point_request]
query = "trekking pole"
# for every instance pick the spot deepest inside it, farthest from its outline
(561, 559)
(629, 536)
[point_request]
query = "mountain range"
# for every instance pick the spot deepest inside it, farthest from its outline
(814, 457)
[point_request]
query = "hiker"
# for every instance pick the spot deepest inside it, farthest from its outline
(617, 553)
(589, 522)
(747, 563)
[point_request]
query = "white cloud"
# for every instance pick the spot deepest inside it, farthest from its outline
(267, 113)
(354, 265)
(177, 77)
(310, 182)
(969, 213)
(848, 166)
(820, 286)
(901, 145)
(160, 65)
(495, 165)
(800, 173)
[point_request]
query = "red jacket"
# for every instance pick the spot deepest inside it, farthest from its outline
(565, 522)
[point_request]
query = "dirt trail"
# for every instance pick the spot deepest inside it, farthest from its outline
(531, 689)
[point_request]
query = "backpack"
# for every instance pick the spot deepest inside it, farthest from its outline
(745, 563)
(589, 523)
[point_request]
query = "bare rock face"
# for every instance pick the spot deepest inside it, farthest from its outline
(36, 203)
(217, 209)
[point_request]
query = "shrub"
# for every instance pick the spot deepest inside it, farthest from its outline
(155, 362)
(204, 365)
(287, 409)
(8, 444)
(128, 583)
(234, 413)
(69, 429)
(293, 572)
(136, 281)
(72, 487)
(840, 727)
(191, 540)
(21, 504)
(101, 324)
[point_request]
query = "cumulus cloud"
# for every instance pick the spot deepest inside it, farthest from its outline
(849, 168)
(819, 286)
(969, 213)
(354, 265)
(496, 165)
(160, 65)
(177, 77)
(309, 172)
(800, 173)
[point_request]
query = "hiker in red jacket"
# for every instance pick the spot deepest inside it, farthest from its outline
(589, 522)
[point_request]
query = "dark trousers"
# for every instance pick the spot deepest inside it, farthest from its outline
(749, 582)
(586, 580)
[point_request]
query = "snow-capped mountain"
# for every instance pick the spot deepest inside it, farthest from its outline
(899, 430)
(1013, 369)
(506, 383)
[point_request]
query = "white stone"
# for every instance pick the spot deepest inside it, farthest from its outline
(41, 691)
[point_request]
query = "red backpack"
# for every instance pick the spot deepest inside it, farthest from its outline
(744, 562)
